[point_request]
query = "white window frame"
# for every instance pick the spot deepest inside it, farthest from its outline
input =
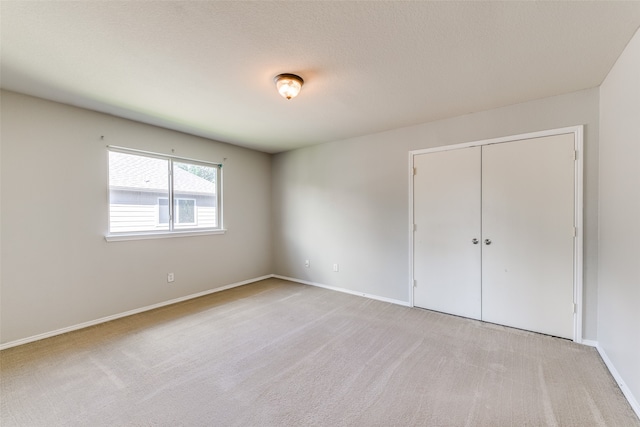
(173, 230)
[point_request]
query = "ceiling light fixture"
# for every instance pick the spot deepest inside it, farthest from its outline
(288, 85)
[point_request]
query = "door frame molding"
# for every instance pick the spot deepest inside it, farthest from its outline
(578, 135)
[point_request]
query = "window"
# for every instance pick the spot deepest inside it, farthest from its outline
(142, 184)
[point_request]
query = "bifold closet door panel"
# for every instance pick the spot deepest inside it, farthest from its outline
(447, 218)
(527, 233)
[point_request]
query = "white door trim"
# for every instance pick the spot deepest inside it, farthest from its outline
(578, 134)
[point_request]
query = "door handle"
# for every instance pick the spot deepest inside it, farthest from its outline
(474, 241)
(487, 241)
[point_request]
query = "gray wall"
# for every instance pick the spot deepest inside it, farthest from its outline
(346, 202)
(619, 261)
(57, 269)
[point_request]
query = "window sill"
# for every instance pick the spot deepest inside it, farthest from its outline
(160, 235)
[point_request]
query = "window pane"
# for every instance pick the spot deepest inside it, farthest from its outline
(195, 188)
(137, 184)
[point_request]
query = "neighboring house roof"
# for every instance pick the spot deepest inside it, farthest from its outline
(138, 173)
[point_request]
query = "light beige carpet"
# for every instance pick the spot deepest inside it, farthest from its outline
(275, 353)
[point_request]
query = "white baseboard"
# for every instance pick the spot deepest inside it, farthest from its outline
(346, 291)
(623, 386)
(125, 314)
(590, 343)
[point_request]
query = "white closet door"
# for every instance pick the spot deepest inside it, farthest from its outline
(447, 218)
(528, 217)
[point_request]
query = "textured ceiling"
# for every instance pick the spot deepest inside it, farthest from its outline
(207, 68)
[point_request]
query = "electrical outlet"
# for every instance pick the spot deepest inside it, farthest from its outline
(336, 267)
(307, 263)
(170, 278)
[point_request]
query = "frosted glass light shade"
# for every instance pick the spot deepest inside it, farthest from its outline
(288, 85)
